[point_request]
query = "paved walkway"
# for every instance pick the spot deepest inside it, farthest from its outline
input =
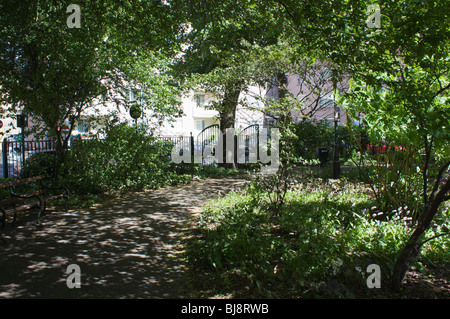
(126, 248)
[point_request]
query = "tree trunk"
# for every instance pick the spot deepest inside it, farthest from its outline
(59, 149)
(228, 107)
(412, 248)
(61, 146)
(227, 113)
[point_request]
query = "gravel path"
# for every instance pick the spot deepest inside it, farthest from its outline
(126, 248)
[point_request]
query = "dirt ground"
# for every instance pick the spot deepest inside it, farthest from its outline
(125, 248)
(129, 248)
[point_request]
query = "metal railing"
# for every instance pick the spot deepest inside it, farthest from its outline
(248, 142)
(15, 153)
(206, 139)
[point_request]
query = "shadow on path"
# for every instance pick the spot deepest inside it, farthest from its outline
(126, 248)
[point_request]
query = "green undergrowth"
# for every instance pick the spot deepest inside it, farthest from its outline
(319, 246)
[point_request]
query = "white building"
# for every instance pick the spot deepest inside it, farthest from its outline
(8, 127)
(197, 114)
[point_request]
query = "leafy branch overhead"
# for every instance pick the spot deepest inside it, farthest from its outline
(392, 78)
(400, 81)
(55, 72)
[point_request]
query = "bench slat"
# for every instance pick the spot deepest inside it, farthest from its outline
(17, 199)
(28, 200)
(54, 197)
(20, 181)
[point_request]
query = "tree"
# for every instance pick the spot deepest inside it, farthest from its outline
(54, 71)
(218, 38)
(408, 55)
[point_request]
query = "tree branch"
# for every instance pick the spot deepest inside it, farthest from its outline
(425, 169)
(431, 238)
(287, 10)
(442, 90)
(438, 179)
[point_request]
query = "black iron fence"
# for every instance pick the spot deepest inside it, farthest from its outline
(15, 153)
(247, 140)
(210, 146)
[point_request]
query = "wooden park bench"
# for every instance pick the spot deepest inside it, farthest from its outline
(26, 194)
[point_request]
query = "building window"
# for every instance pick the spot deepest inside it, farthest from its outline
(326, 101)
(199, 100)
(325, 74)
(329, 121)
(271, 122)
(134, 96)
(84, 126)
(199, 125)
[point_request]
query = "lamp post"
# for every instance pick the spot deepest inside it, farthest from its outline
(337, 116)
(22, 122)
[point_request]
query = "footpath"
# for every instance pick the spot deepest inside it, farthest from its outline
(126, 248)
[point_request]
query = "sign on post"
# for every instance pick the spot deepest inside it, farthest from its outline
(22, 121)
(135, 112)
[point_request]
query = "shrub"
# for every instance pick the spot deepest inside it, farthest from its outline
(39, 164)
(325, 235)
(311, 135)
(394, 179)
(4, 192)
(126, 159)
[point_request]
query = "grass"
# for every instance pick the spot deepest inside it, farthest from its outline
(85, 200)
(319, 246)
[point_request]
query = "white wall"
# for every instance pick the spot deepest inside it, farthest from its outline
(247, 112)
(193, 116)
(8, 128)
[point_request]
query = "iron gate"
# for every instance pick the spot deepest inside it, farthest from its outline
(205, 146)
(247, 144)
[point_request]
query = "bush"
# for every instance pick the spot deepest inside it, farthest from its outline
(4, 192)
(312, 135)
(395, 181)
(325, 236)
(39, 164)
(127, 159)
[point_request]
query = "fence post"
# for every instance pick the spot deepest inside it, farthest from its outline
(5, 157)
(191, 141)
(257, 143)
(224, 149)
(235, 146)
